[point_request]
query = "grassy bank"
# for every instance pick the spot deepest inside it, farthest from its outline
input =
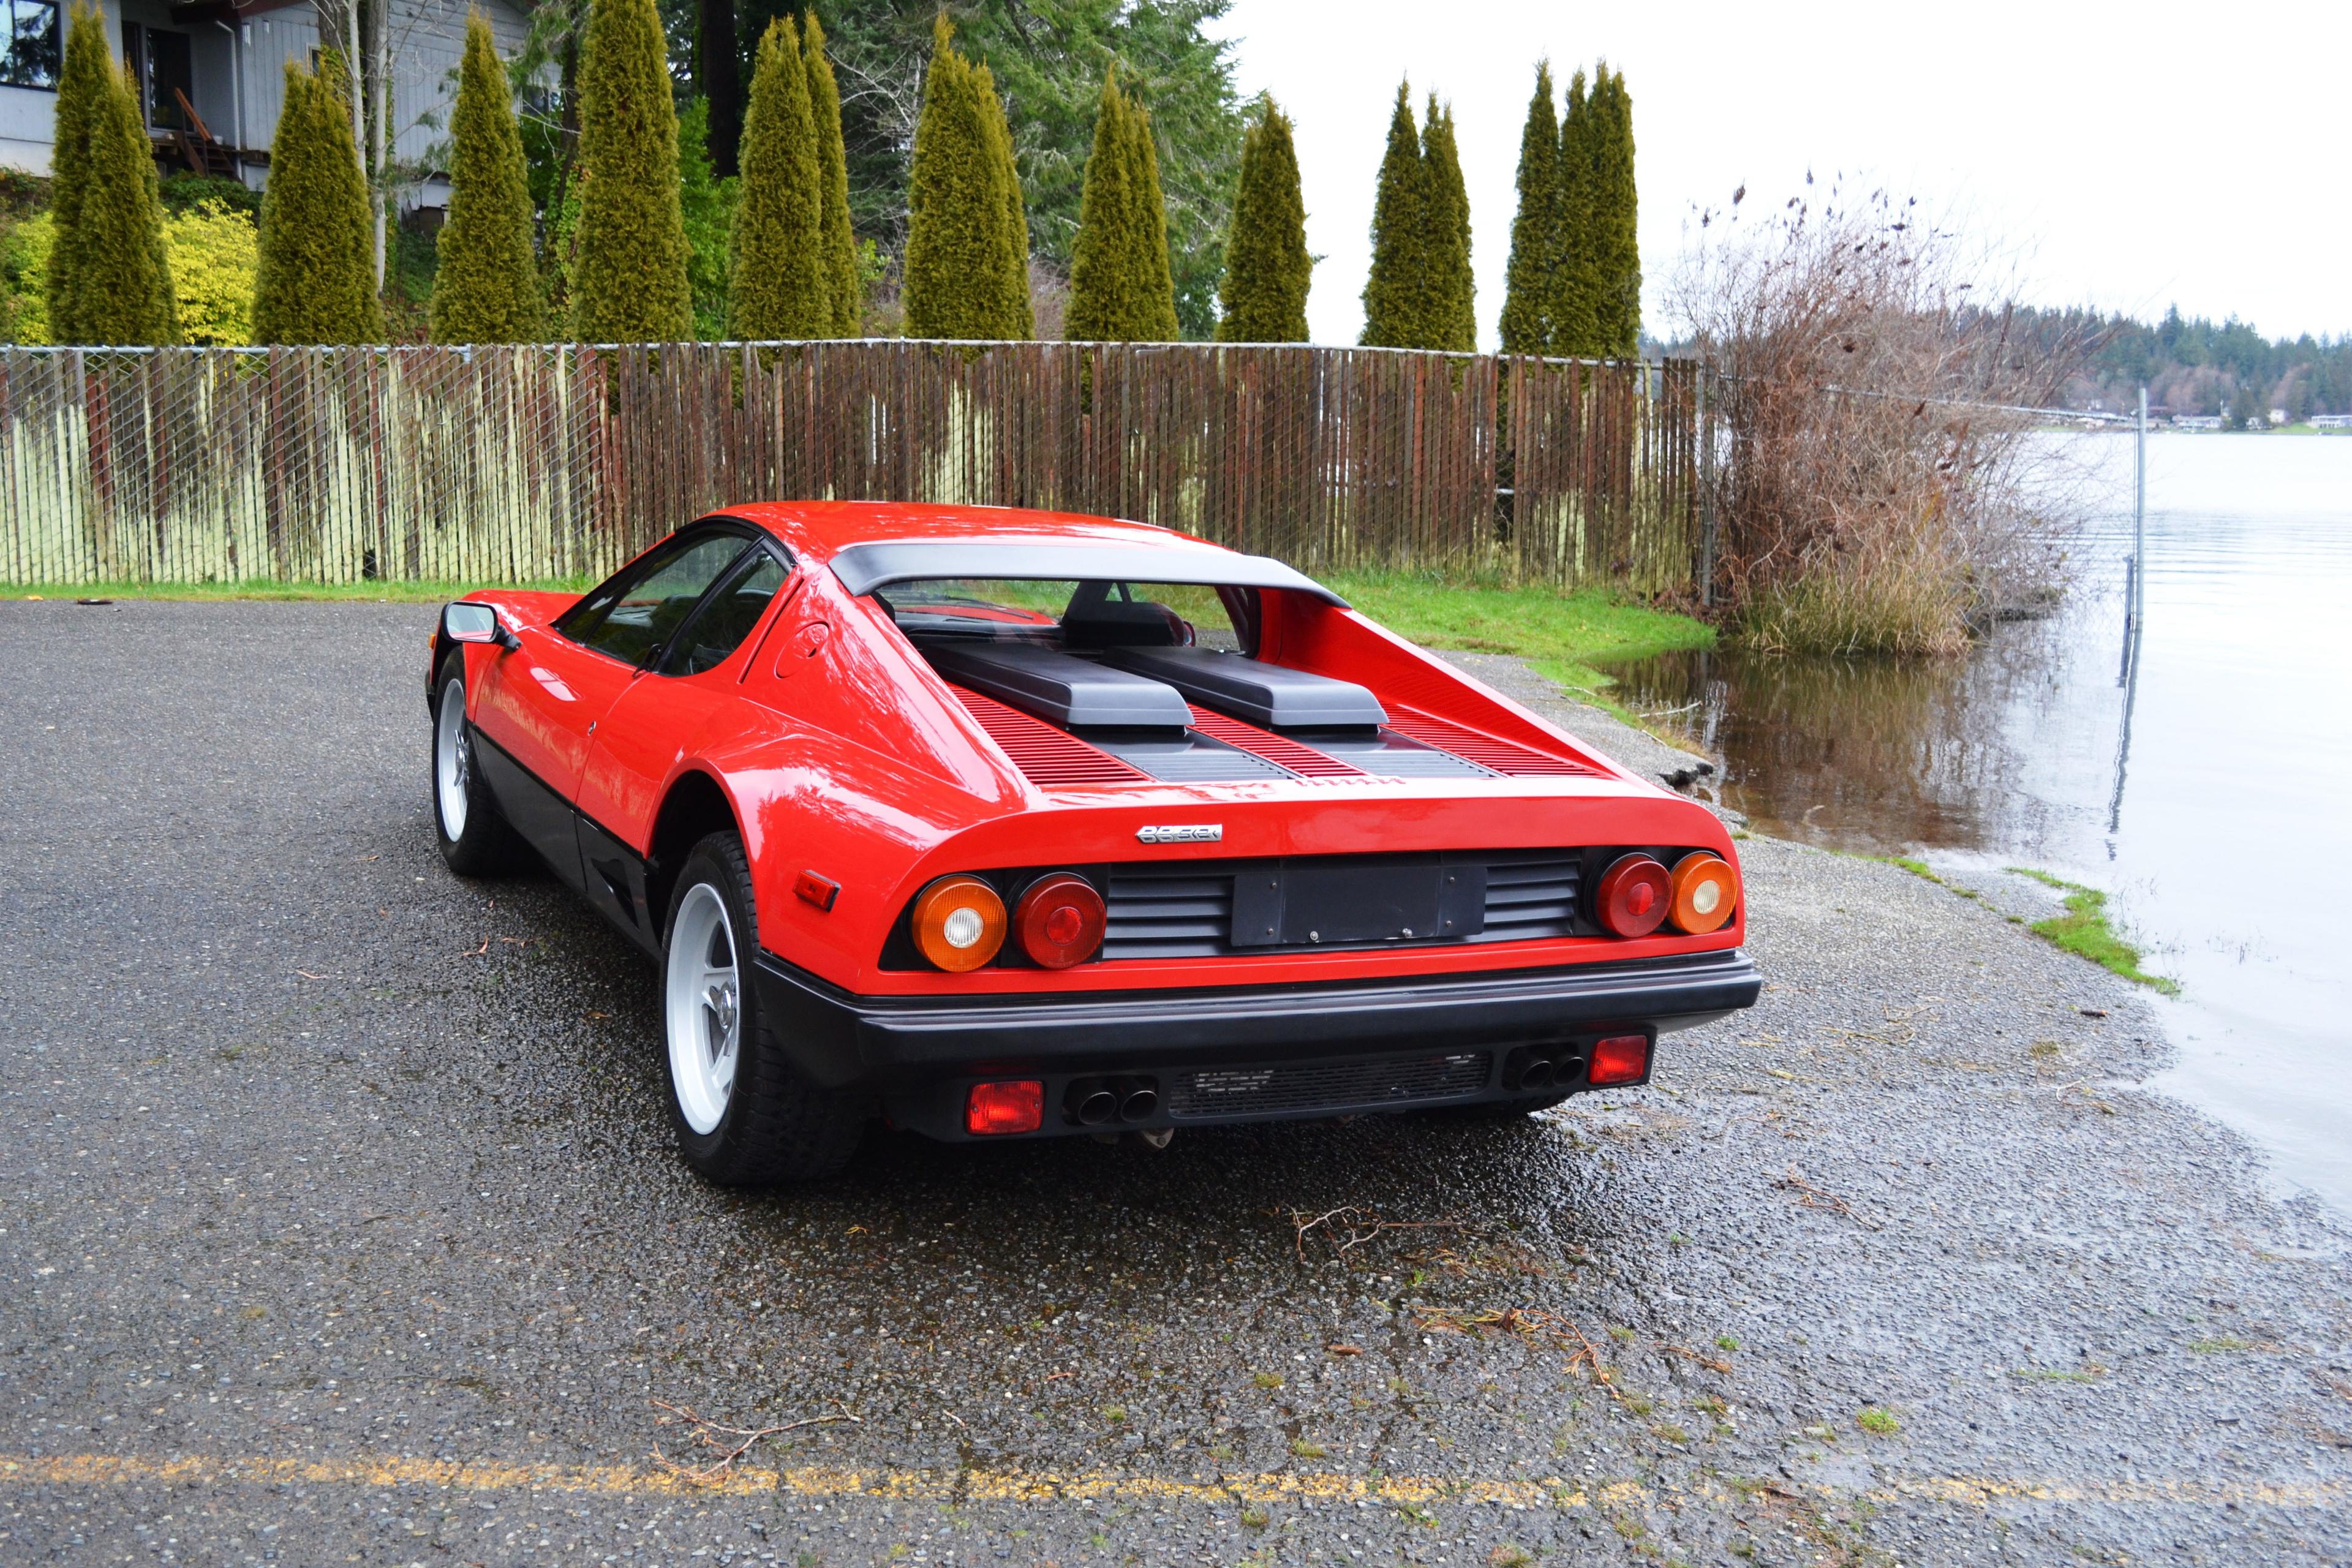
(2084, 930)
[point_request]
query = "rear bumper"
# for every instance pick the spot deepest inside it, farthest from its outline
(919, 1054)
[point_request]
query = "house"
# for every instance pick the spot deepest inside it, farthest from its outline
(212, 77)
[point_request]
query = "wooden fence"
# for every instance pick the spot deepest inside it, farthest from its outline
(534, 461)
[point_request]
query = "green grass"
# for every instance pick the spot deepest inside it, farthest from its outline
(1878, 1422)
(2085, 931)
(385, 592)
(1562, 634)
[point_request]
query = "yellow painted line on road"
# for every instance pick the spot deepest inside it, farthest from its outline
(103, 1471)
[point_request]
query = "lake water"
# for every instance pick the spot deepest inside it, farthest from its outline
(2209, 798)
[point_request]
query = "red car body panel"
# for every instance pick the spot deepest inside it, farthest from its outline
(839, 749)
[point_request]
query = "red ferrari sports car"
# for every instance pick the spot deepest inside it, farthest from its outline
(1009, 823)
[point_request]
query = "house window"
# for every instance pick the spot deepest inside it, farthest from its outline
(35, 46)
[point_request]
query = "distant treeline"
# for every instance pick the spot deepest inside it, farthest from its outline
(2191, 366)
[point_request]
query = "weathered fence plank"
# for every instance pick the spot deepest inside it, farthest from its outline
(532, 461)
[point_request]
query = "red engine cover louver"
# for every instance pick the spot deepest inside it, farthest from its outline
(1283, 752)
(1047, 757)
(1505, 757)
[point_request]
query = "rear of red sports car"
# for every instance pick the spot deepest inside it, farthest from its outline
(1235, 854)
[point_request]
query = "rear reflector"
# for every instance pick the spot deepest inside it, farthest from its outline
(1620, 1058)
(995, 1108)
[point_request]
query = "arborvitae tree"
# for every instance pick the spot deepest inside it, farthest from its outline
(84, 82)
(485, 288)
(1616, 246)
(123, 277)
(1267, 268)
(1398, 312)
(1528, 287)
(1452, 290)
(844, 286)
(1120, 290)
(317, 280)
(629, 281)
(1576, 278)
(780, 286)
(966, 267)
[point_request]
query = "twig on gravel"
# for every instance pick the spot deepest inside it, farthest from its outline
(1530, 1322)
(1359, 1225)
(1813, 1197)
(477, 953)
(704, 1428)
(1710, 1363)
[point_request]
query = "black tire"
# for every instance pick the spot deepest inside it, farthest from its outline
(775, 1126)
(485, 845)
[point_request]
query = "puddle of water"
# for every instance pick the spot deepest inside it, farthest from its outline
(2219, 826)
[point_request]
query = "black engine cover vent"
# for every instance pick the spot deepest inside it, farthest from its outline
(1059, 687)
(1266, 695)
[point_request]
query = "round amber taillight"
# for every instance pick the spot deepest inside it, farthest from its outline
(1631, 898)
(1706, 891)
(1060, 921)
(959, 923)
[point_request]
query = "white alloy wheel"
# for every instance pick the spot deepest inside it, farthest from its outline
(703, 1007)
(452, 760)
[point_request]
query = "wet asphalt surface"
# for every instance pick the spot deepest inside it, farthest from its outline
(337, 1223)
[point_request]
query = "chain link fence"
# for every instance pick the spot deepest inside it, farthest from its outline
(515, 463)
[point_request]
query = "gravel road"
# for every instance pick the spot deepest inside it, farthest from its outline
(340, 1224)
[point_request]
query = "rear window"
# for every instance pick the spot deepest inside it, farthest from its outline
(1075, 614)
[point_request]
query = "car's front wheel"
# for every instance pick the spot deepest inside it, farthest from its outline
(744, 1116)
(474, 839)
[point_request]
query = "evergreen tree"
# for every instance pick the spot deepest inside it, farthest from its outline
(629, 282)
(1267, 268)
(1120, 290)
(1452, 288)
(84, 82)
(1528, 286)
(317, 278)
(781, 285)
(966, 269)
(486, 289)
(1576, 280)
(844, 285)
(122, 275)
(1616, 245)
(1398, 312)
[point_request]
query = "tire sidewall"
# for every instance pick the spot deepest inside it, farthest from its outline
(453, 673)
(710, 864)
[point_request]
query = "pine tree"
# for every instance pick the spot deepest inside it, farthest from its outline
(1528, 287)
(966, 266)
(83, 84)
(485, 288)
(781, 287)
(844, 287)
(1452, 288)
(1398, 312)
(1616, 244)
(629, 282)
(1576, 280)
(1267, 270)
(122, 275)
(1120, 290)
(317, 280)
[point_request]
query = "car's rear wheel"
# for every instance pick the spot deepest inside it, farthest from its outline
(474, 839)
(743, 1115)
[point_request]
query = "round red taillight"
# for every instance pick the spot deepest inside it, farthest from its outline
(959, 923)
(1632, 897)
(1706, 890)
(1060, 921)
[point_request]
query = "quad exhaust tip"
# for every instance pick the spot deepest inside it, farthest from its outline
(1112, 1101)
(1531, 1070)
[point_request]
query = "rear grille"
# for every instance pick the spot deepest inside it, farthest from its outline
(1337, 1086)
(1505, 757)
(1047, 757)
(1171, 913)
(1532, 897)
(1304, 761)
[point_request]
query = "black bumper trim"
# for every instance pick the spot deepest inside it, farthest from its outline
(889, 1044)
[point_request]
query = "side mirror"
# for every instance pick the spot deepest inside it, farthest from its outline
(467, 622)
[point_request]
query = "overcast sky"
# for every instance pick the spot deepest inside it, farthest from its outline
(2132, 157)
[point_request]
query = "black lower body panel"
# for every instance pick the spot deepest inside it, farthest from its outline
(1245, 1053)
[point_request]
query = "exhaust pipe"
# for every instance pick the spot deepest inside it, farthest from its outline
(1140, 1099)
(1108, 1101)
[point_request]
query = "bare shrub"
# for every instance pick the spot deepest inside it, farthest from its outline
(1878, 493)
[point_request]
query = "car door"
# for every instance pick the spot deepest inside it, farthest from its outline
(539, 704)
(688, 690)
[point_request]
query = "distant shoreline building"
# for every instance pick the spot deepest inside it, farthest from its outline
(212, 78)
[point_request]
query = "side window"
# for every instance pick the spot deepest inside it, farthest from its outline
(723, 623)
(634, 616)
